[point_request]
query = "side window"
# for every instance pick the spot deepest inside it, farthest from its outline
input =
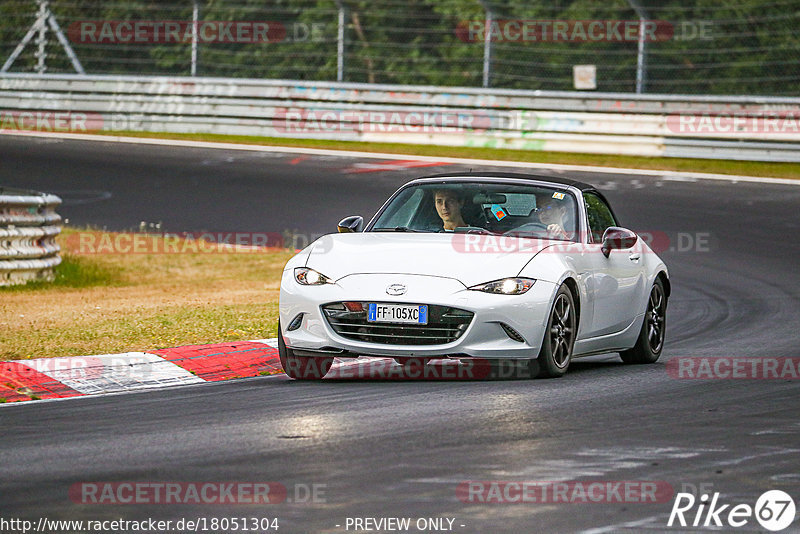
(599, 216)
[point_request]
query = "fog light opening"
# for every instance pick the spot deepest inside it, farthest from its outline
(513, 334)
(296, 322)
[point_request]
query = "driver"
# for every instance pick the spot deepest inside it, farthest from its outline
(448, 206)
(552, 214)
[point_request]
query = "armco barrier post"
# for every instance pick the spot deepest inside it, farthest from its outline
(29, 225)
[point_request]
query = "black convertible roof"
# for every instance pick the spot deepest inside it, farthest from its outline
(568, 182)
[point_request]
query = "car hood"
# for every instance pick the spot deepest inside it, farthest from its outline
(471, 259)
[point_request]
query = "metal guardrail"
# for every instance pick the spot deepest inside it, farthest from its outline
(752, 128)
(29, 225)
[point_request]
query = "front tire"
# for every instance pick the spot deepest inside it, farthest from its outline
(651, 337)
(301, 367)
(559, 337)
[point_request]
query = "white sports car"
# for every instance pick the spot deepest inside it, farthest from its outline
(476, 266)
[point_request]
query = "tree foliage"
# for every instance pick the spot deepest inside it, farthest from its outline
(716, 46)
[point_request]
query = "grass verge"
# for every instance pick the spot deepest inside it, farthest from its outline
(73, 272)
(107, 303)
(745, 168)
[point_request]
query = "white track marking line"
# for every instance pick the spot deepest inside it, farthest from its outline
(628, 524)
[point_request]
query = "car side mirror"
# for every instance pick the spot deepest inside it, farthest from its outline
(354, 223)
(617, 238)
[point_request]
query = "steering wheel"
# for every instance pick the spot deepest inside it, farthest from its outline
(531, 227)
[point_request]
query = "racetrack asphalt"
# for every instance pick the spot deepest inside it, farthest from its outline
(401, 449)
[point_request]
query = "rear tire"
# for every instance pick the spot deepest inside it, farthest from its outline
(301, 367)
(559, 337)
(654, 326)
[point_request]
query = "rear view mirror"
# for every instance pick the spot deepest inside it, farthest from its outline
(354, 223)
(617, 238)
(489, 198)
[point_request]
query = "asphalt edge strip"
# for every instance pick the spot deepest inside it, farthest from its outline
(678, 175)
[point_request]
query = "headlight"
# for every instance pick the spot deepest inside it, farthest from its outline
(310, 277)
(506, 286)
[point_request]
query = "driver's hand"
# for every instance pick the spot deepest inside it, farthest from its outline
(555, 230)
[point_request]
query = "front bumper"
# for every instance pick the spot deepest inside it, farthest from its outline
(484, 337)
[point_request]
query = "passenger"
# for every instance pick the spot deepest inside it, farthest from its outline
(448, 206)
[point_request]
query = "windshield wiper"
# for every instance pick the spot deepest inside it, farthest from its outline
(396, 229)
(473, 230)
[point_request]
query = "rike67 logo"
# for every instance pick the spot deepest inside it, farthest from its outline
(774, 511)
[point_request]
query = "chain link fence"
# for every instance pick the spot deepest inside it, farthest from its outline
(714, 47)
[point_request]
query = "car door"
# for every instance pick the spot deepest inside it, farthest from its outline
(616, 283)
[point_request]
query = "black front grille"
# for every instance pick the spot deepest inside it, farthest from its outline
(349, 319)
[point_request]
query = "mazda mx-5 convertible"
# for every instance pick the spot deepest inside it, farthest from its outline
(476, 266)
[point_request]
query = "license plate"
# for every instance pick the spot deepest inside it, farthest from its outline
(397, 313)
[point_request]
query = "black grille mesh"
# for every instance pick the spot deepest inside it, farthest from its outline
(349, 320)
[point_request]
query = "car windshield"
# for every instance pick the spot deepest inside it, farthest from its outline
(484, 208)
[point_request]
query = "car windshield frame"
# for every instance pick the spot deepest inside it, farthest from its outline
(487, 224)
